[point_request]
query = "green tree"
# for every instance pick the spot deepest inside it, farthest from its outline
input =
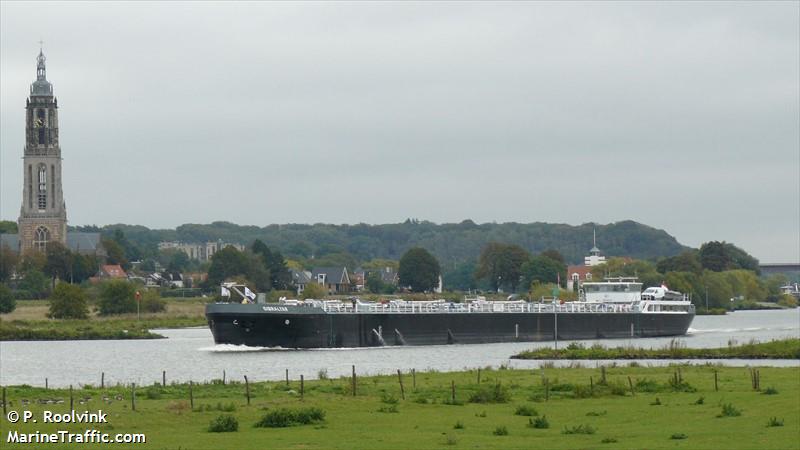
(115, 254)
(374, 283)
(544, 269)
(555, 255)
(313, 290)
(461, 277)
(59, 262)
(721, 256)
(35, 283)
(226, 263)
(7, 301)
(645, 271)
(8, 262)
(419, 270)
(687, 261)
(178, 262)
(501, 264)
(117, 297)
(151, 301)
(7, 226)
(68, 301)
(83, 267)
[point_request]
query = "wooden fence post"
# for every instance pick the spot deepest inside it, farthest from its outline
(102, 380)
(71, 398)
(603, 374)
(716, 385)
(5, 403)
(414, 379)
(400, 379)
(302, 387)
(191, 396)
(164, 378)
(287, 378)
(591, 385)
(223, 377)
(354, 380)
(247, 389)
(546, 389)
(133, 396)
(46, 384)
(453, 391)
(630, 382)
(479, 375)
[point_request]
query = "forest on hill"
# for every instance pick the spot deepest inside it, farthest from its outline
(451, 243)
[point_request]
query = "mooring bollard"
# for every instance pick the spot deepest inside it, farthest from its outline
(400, 379)
(191, 396)
(247, 389)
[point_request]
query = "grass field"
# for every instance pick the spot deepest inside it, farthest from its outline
(668, 408)
(777, 349)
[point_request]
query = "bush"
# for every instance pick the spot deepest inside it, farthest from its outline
(580, 429)
(117, 297)
(700, 400)
(7, 301)
(539, 422)
(500, 431)
(284, 417)
(497, 394)
(151, 301)
(525, 410)
(678, 436)
(774, 422)
(459, 425)
(153, 392)
(770, 391)
(608, 440)
(223, 424)
(729, 410)
(68, 302)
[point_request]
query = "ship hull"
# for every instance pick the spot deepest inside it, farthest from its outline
(304, 327)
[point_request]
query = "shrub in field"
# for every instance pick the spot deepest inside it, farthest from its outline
(496, 394)
(596, 413)
(68, 301)
(7, 301)
(459, 425)
(770, 391)
(647, 385)
(775, 422)
(117, 297)
(608, 440)
(539, 422)
(580, 429)
(526, 410)
(388, 409)
(700, 400)
(389, 399)
(284, 417)
(223, 424)
(678, 436)
(729, 410)
(153, 392)
(151, 301)
(500, 431)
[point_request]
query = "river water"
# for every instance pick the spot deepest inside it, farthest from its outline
(190, 354)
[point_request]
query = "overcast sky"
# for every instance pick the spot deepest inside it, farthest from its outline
(683, 116)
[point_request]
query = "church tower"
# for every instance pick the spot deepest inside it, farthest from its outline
(43, 216)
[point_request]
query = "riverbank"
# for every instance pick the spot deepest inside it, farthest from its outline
(688, 406)
(777, 349)
(29, 322)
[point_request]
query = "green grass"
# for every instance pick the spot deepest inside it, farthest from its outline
(329, 417)
(777, 349)
(112, 328)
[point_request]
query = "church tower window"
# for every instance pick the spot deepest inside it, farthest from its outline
(42, 187)
(41, 237)
(40, 124)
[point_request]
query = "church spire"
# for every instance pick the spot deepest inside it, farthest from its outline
(40, 68)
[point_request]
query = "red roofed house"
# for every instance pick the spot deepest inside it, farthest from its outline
(111, 271)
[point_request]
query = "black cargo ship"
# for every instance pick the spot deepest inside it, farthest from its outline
(328, 324)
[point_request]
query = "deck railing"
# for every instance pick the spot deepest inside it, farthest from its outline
(395, 307)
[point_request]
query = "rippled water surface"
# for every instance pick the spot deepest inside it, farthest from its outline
(190, 354)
